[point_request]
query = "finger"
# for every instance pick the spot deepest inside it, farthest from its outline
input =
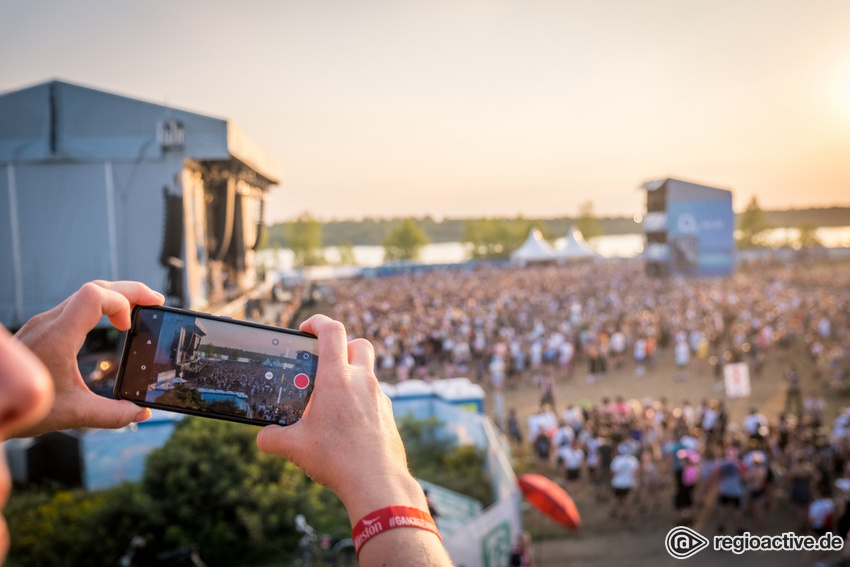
(361, 353)
(277, 440)
(135, 293)
(84, 309)
(111, 414)
(333, 351)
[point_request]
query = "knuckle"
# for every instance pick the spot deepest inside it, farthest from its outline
(335, 326)
(362, 343)
(90, 292)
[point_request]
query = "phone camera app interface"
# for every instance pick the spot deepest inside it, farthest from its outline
(206, 365)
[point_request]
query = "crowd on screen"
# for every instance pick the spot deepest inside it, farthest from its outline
(274, 398)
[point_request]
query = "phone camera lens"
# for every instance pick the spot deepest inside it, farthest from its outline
(275, 342)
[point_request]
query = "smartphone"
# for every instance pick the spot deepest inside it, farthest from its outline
(200, 364)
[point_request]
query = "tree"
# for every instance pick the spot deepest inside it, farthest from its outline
(808, 237)
(492, 239)
(587, 223)
(184, 397)
(346, 254)
(304, 236)
(435, 457)
(404, 241)
(752, 226)
(214, 488)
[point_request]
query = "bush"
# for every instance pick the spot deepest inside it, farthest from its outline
(434, 457)
(208, 485)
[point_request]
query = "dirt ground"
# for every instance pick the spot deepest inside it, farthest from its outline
(602, 541)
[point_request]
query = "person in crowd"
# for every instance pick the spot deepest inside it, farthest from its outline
(730, 491)
(793, 397)
(571, 456)
(801, 476)
(41, 390)
(542, 447)
(624, 467)
(755, 478)
(521, 555)
(649, 481)
(683, 357)
(547, 391)
(822, 514)
(514, 431)
(842, 512)
(683, 501)
(755, 423)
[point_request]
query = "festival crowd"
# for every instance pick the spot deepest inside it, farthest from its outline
(506, 327)
(505, 323)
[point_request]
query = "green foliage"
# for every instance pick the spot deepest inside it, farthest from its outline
(75, 527)
(496, 238)
(208, 485)
(808, 237)
(215, 489)
(404, 241)
(184, 397)
(587, 223)
(752, 226)
(304, 238)
(346, 254)
(433, 457)
(370, 232)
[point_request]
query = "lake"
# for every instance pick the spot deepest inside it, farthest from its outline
(610, 246)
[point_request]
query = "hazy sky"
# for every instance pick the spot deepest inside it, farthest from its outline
(459, 108)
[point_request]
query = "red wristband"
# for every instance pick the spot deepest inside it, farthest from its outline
(388, 518)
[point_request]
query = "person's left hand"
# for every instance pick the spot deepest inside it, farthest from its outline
(57, 336)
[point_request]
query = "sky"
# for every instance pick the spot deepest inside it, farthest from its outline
(480, 107)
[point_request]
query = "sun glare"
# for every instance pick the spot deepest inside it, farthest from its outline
(842, 93)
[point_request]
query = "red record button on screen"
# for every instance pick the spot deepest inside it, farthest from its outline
(301, 381)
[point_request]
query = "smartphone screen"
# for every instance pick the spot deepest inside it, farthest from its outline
(200, 364)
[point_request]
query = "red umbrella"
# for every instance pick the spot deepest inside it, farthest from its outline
(551, 499)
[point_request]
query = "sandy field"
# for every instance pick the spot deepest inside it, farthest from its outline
(640, 540)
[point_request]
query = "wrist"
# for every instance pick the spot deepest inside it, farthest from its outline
(388, 518)
(399, 489)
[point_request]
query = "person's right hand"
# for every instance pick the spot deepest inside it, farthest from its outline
(347, 439)
(56, 337)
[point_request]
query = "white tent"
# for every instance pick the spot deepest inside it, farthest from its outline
(535, 249)
(576, 247)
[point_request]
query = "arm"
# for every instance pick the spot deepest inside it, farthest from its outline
(348, 441)
(56, 337)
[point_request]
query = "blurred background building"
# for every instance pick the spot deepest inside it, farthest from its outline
(689, 229)
(96, 185)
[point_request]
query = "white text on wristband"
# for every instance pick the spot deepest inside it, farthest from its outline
(388, 518)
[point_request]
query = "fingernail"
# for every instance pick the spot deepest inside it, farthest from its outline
(160, 296)
(143, 415)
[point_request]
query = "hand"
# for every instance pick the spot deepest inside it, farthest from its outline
(347, 439)
(56, 338)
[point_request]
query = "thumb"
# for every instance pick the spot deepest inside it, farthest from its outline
(113, 414)
(278, 440)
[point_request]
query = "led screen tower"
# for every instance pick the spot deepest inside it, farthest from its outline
(689, 229)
